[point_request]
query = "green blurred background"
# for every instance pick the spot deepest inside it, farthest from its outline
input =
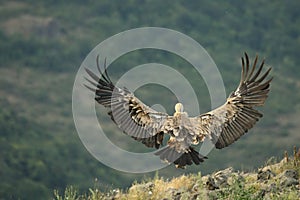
(43, 43)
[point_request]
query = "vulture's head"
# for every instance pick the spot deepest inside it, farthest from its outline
(178, 108)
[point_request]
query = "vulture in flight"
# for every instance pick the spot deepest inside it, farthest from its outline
(223, 125)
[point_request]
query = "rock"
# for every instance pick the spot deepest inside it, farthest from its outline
(143, 187)
(264, 175)
(291, 173)
(210, 184)
(221, 180)
(228, 171)
(218, 179)
(287, 182)
(221, 177)
(288, 178)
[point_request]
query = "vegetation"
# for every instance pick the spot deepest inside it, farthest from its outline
(238, 185)
(43, 43)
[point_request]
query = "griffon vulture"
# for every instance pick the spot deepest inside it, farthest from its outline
(223, 125)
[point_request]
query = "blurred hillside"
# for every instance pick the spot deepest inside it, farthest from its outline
(43, 44)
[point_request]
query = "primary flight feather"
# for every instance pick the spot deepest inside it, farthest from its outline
(223, 125)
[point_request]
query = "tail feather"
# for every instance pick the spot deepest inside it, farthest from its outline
(180, 159)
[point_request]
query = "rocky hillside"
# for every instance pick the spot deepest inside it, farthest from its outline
(276, 180)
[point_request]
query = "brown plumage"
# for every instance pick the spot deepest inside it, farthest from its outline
(222, 126)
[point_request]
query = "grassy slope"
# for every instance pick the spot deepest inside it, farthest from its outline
(230, 184)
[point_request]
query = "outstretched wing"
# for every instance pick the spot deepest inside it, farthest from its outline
(229, 122)
(128, 112)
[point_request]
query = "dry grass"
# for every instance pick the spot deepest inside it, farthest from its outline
(190, 186)
(161, 188)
